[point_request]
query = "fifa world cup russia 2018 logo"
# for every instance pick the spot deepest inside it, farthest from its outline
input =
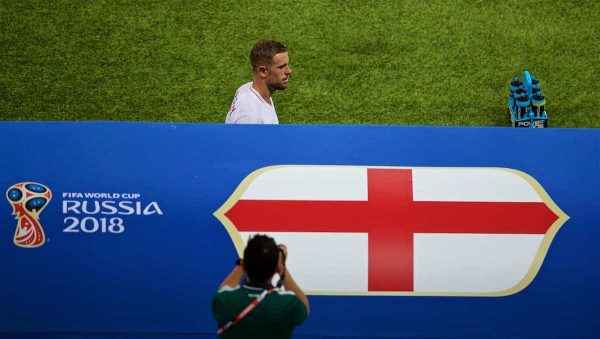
(28, 200)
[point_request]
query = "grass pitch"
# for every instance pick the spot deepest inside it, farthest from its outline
(355, 62)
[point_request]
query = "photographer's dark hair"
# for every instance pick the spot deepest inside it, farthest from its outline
(260, 258)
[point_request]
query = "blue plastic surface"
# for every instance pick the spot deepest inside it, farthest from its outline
(159, 275)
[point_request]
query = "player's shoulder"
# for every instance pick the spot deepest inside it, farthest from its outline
(246, 100)
(244, 91)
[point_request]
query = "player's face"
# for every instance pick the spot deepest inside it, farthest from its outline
(279, 71)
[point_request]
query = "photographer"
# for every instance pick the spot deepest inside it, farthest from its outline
(257, 309)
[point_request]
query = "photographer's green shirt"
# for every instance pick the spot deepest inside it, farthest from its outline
(275, 317)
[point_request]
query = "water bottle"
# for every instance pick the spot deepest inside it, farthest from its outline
(538, 103)
(523, 106)
(535, 84)
(514, 84)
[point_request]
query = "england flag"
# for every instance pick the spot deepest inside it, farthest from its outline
(397, 230)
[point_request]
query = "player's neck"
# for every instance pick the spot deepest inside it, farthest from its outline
(262, 90)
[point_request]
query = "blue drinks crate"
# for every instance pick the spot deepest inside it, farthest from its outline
(527, 110)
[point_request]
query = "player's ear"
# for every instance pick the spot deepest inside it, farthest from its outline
(262, 71)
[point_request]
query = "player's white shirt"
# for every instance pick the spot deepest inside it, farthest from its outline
(248, 107)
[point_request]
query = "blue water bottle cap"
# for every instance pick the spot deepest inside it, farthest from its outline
(523, 101)
(520, 91)
(538, 99)
(515, 83)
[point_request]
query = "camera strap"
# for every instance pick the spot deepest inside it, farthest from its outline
(245, 311)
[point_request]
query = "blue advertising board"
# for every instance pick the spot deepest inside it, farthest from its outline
(129, 228)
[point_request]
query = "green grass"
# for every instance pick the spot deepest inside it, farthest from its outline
(416, 62)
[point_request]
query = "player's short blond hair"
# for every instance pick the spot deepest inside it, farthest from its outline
(263, 51)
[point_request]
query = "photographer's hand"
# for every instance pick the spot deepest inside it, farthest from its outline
(281, 262)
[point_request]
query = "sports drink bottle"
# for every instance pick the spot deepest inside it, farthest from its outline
(523, 106)
(538, 103)
(514, 84)
(535, 84)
